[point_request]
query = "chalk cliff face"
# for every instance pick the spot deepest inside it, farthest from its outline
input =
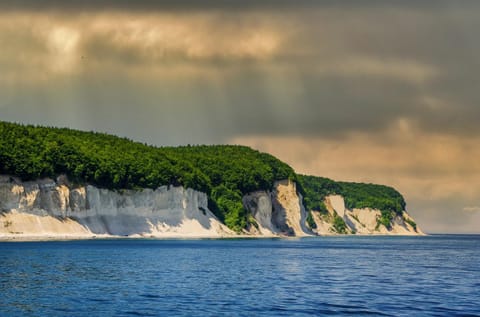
(55, 208)
(281, 212)
(48, 208)
(360, 221)
(278, 212)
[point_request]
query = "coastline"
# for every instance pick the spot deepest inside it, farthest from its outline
(46, 237)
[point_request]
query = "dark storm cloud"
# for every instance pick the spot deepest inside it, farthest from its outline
(148, 5)
(187, 5)
(339, 66)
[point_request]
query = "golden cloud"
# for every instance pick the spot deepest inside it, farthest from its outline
(52, 44)
(40, 45)
(420, 165)
(394, 68)
(472, 209)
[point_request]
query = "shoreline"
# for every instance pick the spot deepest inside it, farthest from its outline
(46, 238)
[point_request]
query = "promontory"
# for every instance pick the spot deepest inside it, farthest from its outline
(60, 183)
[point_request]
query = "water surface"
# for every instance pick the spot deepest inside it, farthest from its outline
(384, 276)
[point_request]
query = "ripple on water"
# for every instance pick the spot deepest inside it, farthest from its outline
(369, 276)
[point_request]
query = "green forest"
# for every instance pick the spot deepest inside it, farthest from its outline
(224, 172)
(357, 195)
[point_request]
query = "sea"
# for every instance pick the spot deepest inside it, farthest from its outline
(436, 275)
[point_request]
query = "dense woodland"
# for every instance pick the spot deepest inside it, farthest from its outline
(224, 172)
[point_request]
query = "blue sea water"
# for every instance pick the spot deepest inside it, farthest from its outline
(376, 276)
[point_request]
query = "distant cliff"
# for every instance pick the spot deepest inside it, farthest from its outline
(282, 212)
(354, 208)
(67, 182)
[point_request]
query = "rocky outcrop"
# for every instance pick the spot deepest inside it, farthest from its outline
(289, 212)
(259, 204)
(56, 208)
(279, 212)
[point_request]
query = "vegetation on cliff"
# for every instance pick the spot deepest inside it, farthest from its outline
(224, 172)
(357, 195)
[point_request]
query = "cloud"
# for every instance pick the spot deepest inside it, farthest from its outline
(315, 70)
(407, 70)
(95, 42)
(189, 5)
(472, 209)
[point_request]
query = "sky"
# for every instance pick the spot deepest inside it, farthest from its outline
(356, 90)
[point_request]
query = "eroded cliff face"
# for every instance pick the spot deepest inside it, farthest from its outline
(279, 212)
(48, 208)
(259, 204)
(360, 221)
(55, 208)
(289, 212)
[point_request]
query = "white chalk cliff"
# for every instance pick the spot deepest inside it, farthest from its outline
(281, 212)
(48, 208)
(57, 209)
(278, 212)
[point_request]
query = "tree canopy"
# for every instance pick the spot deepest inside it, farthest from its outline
(356, 195)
